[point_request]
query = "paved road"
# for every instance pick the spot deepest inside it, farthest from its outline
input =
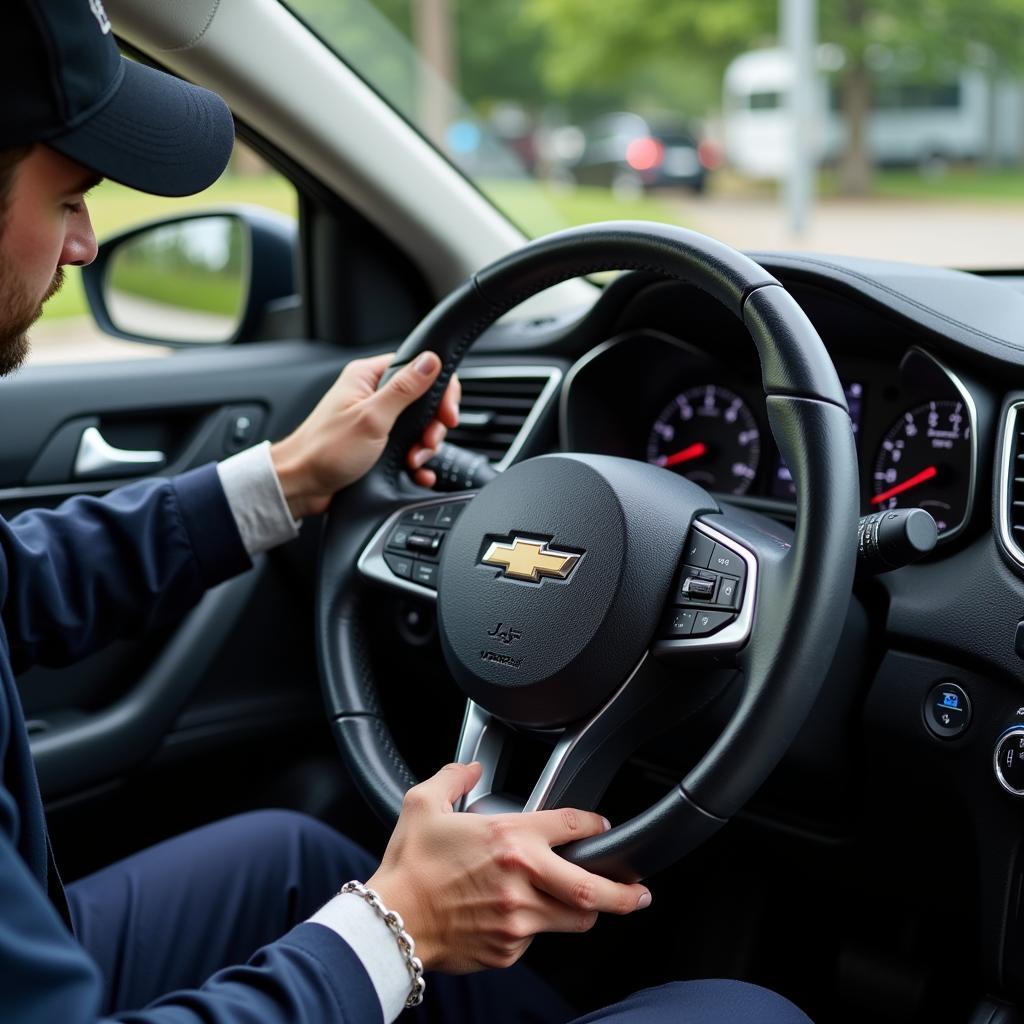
(948, 233)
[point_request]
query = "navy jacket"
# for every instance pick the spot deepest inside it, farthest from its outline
(71, 580)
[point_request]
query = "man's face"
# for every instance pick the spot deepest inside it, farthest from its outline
(46, 226)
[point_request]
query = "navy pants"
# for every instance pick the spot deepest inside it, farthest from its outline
(169, 917)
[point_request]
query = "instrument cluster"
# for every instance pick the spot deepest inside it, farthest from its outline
(651, 397)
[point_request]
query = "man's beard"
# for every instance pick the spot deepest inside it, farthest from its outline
(18, 312)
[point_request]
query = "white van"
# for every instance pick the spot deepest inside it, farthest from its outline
(911, 123)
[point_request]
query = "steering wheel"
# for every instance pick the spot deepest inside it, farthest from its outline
(587, 598)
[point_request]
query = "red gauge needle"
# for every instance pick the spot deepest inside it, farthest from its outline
(918, 478)
(694, 451)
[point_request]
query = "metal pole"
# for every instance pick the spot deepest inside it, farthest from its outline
(798, 25)
(434, 33)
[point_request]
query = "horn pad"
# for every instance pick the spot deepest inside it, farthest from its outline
(553, 581)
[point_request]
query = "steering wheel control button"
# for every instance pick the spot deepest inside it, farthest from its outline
(425, 574)
(696, 588)
(447, 514)
(699, 550)
(399, 538)
(729, 591)
(400, 565)
(680, 622)
(422, 516)
(424, 542)
(725, 560)
(706, 623)
(1008, 760)
(947, 710)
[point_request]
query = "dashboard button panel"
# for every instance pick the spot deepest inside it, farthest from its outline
(705, 600)
(406, 551)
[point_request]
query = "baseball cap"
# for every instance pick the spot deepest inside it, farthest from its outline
(66, 84)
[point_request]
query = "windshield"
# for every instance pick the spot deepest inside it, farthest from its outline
(863, 127)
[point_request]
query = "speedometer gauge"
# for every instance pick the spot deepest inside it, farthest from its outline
(709, 435)
(925, 460)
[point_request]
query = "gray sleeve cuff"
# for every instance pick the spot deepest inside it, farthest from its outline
(256, 500)
(370, 939)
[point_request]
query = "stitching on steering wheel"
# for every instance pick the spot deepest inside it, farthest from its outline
(387, 743)
(361, 655)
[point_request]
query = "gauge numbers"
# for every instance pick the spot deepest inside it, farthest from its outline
(709, 435)
(925, 460)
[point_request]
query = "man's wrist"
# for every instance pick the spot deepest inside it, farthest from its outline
(398, 898)
(299, 494)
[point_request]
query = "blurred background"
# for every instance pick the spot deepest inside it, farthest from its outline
(884, 128)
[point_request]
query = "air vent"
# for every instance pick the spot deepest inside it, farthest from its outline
(500, 406)
(1011, 484)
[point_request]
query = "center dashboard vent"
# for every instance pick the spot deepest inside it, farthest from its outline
(1011, 483)
(500, 407)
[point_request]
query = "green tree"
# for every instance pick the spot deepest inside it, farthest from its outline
(937, 37)
(588, 41)
(668, 55)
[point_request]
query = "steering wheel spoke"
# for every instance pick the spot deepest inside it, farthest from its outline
(485, 738)
(585, 757)
(405, 552)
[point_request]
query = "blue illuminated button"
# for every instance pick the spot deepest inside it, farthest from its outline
(947, 709)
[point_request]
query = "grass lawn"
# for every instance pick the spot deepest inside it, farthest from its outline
(999, 183)
(114, 207)
(220, 293)
(966, 184)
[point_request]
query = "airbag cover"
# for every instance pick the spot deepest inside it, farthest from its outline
(553, 580)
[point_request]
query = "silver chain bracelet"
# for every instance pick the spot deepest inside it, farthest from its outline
(396, 926)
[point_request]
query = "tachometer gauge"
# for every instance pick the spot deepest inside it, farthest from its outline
(709, 435)
(925, 460)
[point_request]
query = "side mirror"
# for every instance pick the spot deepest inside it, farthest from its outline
(201, 279)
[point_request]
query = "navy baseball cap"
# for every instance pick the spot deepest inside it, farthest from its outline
(65, 83)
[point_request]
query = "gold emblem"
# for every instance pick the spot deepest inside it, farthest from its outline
(530, 559)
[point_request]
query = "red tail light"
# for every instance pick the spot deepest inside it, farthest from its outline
(644, 154)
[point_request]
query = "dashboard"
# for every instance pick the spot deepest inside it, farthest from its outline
(675, 404)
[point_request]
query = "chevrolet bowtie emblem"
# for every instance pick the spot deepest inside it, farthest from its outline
(530, 559)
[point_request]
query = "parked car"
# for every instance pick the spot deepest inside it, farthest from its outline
(629, 154)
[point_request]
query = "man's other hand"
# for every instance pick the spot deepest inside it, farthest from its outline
(474, 889)
(346, 433)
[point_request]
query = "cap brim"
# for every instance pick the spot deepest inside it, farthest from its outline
(157, 134)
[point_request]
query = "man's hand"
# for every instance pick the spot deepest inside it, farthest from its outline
(474, 889)
(346, 433)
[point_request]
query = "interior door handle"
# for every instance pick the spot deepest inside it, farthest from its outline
(97, 459)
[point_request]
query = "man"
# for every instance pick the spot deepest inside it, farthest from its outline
(234, 922)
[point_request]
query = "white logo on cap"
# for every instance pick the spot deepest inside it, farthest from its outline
(96, 6)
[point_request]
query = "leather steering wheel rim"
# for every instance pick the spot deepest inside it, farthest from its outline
(810, 422)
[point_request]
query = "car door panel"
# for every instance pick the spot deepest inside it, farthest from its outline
(105, 716)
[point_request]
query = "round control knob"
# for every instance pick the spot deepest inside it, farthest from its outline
(1008, 760)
